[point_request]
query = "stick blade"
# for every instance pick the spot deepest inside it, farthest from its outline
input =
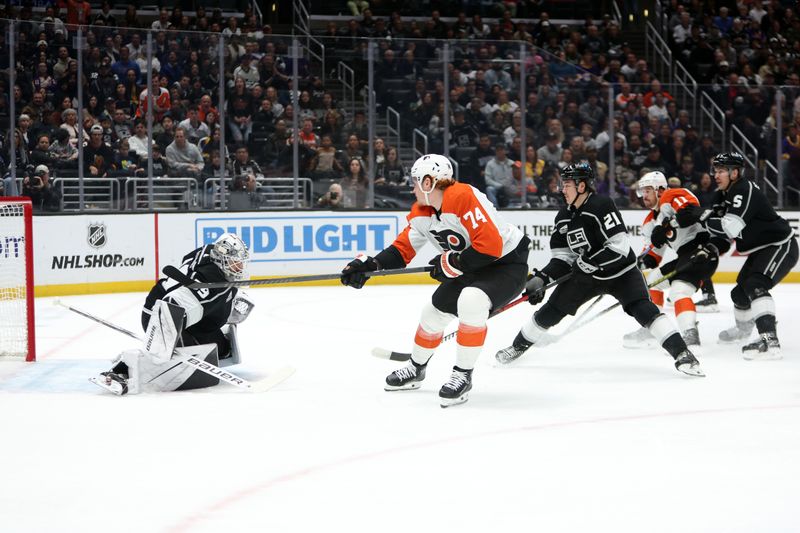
(273, 380)
(383, 353)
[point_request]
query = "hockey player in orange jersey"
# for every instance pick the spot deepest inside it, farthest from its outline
(697, 256)
(483, 265)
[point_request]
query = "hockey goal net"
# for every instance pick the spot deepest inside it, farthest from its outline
(16, 279)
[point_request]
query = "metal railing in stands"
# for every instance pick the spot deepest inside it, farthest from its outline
(741, 143)
(713, 117)
(273, 193)
(456, 173)
(99, 193)
(314, 46)
(169, 194)
(658, 54)
(347, 77)
(418, 134)
(688, 86)
(392, 131)
(616, 13)
(769, 171)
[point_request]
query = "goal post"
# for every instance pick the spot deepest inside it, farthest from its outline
(17, 332)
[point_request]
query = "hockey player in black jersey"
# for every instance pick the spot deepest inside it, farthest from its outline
(185, 321)
(742, 212)
(590, 240)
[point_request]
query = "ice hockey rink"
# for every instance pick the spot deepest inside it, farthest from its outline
(582, 435)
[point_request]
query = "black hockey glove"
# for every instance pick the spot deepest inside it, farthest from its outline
(584, 265)
(534, 288)
(689, 215)
(705, 253)
(660, 236)
(647, 262)
(353, 274)
(446, 266)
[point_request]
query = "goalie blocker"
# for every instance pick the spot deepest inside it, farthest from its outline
(184, 325)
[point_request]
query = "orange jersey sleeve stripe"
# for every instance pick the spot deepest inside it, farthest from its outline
(426, 339)
(471, 335)
(683, 305)
(678, 198)
(462, 202)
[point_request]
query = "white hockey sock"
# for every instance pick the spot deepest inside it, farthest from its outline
(429, 333)
(473, 311)
(532, 331)
(743, 315)
(763, 305)
(661, 328)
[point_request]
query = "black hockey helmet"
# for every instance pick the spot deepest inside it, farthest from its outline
(729, 160)
(579, 172)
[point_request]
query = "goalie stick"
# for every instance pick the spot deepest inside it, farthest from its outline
(263, 385)
(383, 353)
(176, 274)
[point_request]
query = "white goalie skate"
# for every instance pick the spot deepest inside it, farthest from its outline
(641, 339)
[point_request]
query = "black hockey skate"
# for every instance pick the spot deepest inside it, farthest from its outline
(766, 348)
(513, 352)
(708, 304)
(112, 382)
(691, 337)
(407, 378)
(740, 332)
(457, 388)
(687, 363)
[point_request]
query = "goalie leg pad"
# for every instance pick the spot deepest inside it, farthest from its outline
(174, 375)
(163, 331)
(235, 357)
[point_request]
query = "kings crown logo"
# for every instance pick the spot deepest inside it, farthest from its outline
(97, 235)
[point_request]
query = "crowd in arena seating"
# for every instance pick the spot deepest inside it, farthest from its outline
(568, 74)
(744, 55)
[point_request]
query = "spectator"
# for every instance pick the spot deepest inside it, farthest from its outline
(246, 72)
(126, 162)
(44, 197)
(160, 165)
(122, 65)
(244, 193)
(324, 164)
(65, 154)
(41, 155)
(121, 125)
(194, 128)
(243, 165)
(167, 134)
(98, 158)
(333, 198)
(162, 103)
(139, 141)
(499, 179)
(184, 158)
(703, 154)
(308, 138)
(354, 185)
(70, 124)
(551, 152)
(394, 172)
(240, 112)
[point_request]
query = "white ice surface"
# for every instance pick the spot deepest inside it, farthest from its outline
(576, 437)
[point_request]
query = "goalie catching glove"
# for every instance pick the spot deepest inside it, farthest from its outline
(354, 275)
(240, 308)
(446, 266)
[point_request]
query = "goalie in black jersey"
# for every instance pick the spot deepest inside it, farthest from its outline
(181, 321)
(591, 241)
(742, 212)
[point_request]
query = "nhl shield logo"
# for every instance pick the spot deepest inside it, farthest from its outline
(97, 235)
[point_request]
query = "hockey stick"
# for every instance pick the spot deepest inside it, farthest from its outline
(204, 366)
(617, 304)
(174, 273)
(383, 353)
(579, 320)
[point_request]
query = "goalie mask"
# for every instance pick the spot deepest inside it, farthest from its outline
(230, 254)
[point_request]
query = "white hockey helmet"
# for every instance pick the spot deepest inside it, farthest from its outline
(654, 179)
(230, 254)
(438, 167)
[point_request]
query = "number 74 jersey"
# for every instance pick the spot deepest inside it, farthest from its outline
(467, 223)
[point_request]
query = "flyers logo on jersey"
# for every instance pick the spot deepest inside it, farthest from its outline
(449, 240)
(577, 241)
